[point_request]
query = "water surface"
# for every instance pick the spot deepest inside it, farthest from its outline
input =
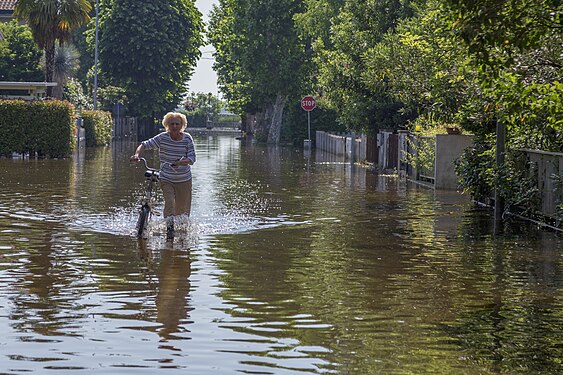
(290, 264)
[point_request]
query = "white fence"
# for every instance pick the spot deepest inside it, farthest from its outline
(350, 147)
(400, 152)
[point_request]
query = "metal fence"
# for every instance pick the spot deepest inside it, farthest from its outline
(125, 128)
(425, 158)
(547, 169)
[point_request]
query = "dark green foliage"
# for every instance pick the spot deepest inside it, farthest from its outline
(42, 128)
(150, 49)
(476, 168)
(194, 120)
(515, 180)
(74, 93)
(341, 56)
(86, 50)
(515, 48)
(19, 55)
(98, 125)
(496, 31)
(52, 21)
(261, 61)
(517, 183)
(109, 96)
(295, 128)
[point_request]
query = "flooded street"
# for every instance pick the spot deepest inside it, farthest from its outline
(290, 264)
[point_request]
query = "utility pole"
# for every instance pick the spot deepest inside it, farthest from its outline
(96, 58)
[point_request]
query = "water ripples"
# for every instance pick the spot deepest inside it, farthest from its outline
(285, 266)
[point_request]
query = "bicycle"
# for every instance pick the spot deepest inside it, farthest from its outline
(152, 177)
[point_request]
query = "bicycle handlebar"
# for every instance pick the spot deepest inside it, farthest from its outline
(147, 165)
(164, 163)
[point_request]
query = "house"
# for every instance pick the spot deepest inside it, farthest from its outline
(7, 10)
(24, 90)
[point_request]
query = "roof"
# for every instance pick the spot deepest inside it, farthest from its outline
(8, 4)
(17, 85)
(24, 90)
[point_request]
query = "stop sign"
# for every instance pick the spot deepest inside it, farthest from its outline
(308, 103)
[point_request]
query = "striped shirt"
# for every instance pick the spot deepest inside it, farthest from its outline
(170, 151)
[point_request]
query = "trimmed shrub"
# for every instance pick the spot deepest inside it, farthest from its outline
(43, 128)
(98, 125)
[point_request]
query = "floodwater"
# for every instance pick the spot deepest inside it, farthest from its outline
(290, 264)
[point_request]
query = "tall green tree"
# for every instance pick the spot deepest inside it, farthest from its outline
(150, 48)
(52, 21)
(423, 66)
(341, 33)
(19, 55)
(260, 59)
(516, 48)
(496, 31)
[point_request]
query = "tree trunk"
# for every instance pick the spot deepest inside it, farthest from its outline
(275, 124)
(58, 90)
(262, 124)
(49, 66)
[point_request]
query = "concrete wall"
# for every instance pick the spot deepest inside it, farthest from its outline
(448, 148)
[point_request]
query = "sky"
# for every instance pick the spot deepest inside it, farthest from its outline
(204, 78)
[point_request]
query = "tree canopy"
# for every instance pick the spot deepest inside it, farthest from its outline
(51, 21)
(259, 58)
(341, 33)
(150, 48)
(19, 55)
(516, 48)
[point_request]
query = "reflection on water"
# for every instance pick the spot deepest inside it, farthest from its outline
(289, 264)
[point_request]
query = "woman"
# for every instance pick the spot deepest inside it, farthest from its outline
(177, 154)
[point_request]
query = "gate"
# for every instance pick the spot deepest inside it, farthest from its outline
(125, 128)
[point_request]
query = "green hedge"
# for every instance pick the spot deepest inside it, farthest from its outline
(43, 128)
(98, 125)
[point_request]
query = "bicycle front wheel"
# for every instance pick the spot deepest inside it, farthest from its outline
(143, 220)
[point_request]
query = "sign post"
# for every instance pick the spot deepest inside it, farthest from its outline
(308, 103)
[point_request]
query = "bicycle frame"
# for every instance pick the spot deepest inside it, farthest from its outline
(147, 202)
(152, 177)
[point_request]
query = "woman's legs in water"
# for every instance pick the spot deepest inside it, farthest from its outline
(169, 198)
(177, 200)
(183, 192)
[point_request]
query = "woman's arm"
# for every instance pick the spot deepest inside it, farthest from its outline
(138, 152)
(191, 151)
(189, 158)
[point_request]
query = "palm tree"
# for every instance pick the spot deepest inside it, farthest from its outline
(51, 21)
(66, 63)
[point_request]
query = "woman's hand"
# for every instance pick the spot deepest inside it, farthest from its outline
(182, 161)
(135, 158)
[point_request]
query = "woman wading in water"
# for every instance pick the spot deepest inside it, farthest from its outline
(177, 154)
